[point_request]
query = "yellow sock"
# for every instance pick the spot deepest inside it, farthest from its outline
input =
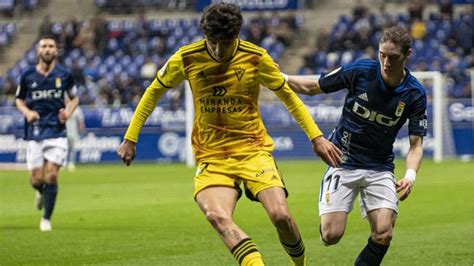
(246, 253)
(253, 259)
(296, 253)
(299, 261)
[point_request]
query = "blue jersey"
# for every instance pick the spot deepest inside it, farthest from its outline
(374, 113)
(45, 95)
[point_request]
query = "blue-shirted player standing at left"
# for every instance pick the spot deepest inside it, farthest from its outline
(41, 97)
(382, 96)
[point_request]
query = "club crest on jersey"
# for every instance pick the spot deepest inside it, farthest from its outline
(239, 72)
(58, 83)
(399, 111)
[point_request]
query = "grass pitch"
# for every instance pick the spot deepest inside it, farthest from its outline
(145, 215)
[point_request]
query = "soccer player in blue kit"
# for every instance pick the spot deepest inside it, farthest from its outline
(41, 97)
(381, 97)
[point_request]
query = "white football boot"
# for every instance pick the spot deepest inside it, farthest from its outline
(45, 225)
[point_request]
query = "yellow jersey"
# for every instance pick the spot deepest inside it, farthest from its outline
(227, 120)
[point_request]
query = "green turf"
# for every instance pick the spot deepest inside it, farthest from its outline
(145, 215)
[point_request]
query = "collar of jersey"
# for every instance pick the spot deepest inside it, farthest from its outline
(400, 87)
(230, 58)
(49, 73)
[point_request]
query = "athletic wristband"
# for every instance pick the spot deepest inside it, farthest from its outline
(410, 174)
(285, 76)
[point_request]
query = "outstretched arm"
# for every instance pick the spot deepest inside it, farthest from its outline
(304, 85)
(325, 149)
(413, 162)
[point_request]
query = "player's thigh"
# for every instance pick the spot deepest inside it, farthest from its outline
(55, 150)
(334, 223)
(217, 201)
(381, 220)
(274, 201)
(379, 193)
(35, 158)
(259, 173)
(216, 173)
(338, 191)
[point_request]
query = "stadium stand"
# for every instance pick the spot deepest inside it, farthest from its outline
(125, 6)
(9, 6)
(441, 44)
(7, 32)
(113, 61)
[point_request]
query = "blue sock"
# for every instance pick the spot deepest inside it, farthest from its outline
(50, 191)
(39, 187)
(372, 254)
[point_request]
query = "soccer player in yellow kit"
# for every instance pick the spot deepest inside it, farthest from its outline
(229, 139)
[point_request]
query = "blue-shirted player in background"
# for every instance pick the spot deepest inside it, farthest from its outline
(42, 94)
(381, 97)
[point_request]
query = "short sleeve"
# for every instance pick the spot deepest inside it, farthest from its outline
(70, 86)
(21, 89)
(418, 119)
(337, 79)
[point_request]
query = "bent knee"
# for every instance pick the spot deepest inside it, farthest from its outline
(383, 236)
(282, 220)
(332, 235)
(218, 219)
(51, 178)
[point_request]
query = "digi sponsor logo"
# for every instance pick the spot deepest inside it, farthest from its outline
(374, 116)
(47, 94)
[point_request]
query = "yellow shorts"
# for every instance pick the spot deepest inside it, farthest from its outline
(257, 171)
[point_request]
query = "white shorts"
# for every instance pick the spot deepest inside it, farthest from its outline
(53, 150)
(340, 187)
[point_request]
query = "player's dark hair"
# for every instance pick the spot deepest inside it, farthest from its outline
(398, 36)
(48, 37)
(221, 21)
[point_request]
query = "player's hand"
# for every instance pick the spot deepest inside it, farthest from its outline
(329, 152)
(32, 116)
(404, 186)
(127, 151)
(63, 115)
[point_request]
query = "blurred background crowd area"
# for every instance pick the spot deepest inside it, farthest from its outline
(114, 48)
